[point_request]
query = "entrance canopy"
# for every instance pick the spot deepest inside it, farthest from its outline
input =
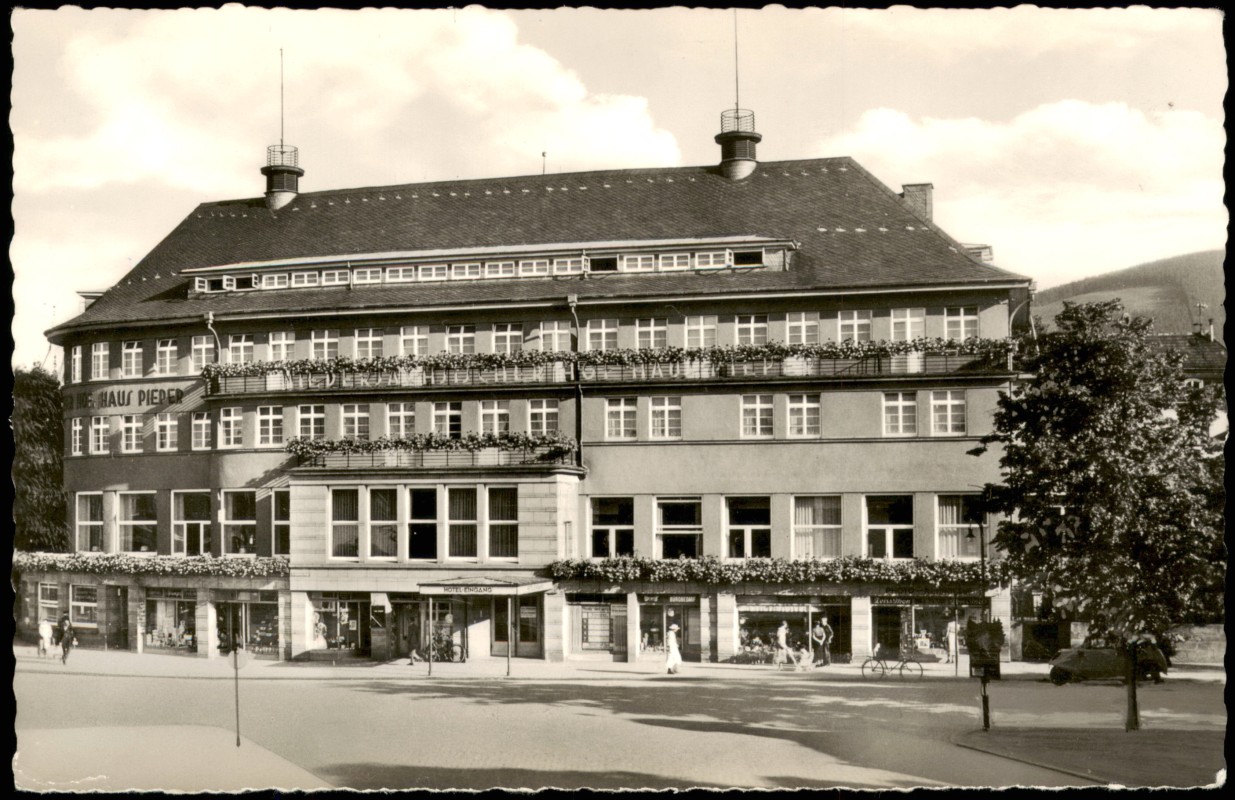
(486, 586)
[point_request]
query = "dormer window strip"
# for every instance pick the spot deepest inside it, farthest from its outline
(600, 262)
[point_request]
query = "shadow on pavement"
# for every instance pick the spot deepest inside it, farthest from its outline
(363, 776)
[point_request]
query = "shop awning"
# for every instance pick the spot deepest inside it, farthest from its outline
(780, 608)
(486, 586)
(380, 600)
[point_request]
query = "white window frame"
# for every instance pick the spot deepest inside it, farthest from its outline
(500, 269)
(202, 431)
(491, 521)
(202, 352)
(672, 262)
(947, 401)
(366, 275)
(166, 432)
(663, 530)
(302, 279)
(960, 322)
(443, 413)
(854, 325)
(231, 428)
(278, 280)
(652, 333)
(311, 422)
(100, 435)
(621, 419)
(507, 337)
(400, 420)
(270, 426)
(495, 416)
(415, 335)
(276, 523)
(712, 259)
(761, 423)
(665, 423)
(336, 277)
(805, 416)
(404, 274)
(77, 436)
(282, 345)
(751, 329)
(542, 415)
(356, 421)
(226, 524)
(478, 528)
(610, 530)
(533, 267)
(819, 535)
(466, 272)
(75, 365)
(371, 524)
(180, 532)
(432, 272)
(77, 607)
(321, 343)
(122, 524)
(368, 342)
(802, 327)
(889, 530)
(602, 332)
(908, 324)
(100, 361)
(568, 266)
(747, 530)
(461, 339)
(240, 348)
(165, 356)
(90, 528)
(47, 602)
(131, 433)
(701, 331)
(555, 332)
(638, 262)
(131, 359)
(959, 531)
(899, 423)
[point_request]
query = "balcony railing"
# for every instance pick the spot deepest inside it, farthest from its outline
(438, 459)
(567, 373)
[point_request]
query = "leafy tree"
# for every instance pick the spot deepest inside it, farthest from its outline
(1112, 486)
(38, 468)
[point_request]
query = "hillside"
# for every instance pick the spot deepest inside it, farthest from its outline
(1166, 290)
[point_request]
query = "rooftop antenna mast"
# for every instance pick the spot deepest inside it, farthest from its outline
(736, 93)
(280, 97)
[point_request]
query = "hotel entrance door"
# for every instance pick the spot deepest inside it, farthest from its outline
(526, 626)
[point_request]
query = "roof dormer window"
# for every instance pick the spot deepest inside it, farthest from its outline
(748, 258)
(335, 277)
(304, 279)
(276, 281)
(603, 264)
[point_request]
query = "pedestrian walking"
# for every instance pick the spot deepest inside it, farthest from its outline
(951, 636)
(46, 634)
(674, 658)
(784, 654)
(822, 638)
(67, 638)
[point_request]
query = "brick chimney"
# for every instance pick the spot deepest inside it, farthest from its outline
(918, 198)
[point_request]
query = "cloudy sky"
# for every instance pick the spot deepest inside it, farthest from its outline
(1074, 142)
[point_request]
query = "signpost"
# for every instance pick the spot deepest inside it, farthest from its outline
(984, 640)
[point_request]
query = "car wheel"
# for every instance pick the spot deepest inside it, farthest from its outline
(1060, 676)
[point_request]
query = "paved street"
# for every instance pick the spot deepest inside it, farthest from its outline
(597, 725)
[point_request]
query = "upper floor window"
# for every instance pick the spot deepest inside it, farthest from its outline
(802, 327)
(400, 420)
(503, 522)
(889, 526)
(900, 413)
(165, 429)
(368, 343)
(701, 331)
(139, 522)
(757, 416)
(679, 527)
(312, 421)
(752, 328)
(854, 326)
(345, 523)
(304, 279)
(202, 352)
(75, 365)
(448, 419)
(495, 416)
(201, 430)
(666, 418)
(534, 266)
(231, 429)
(240, 521)
(131, 433)
(817, 526)
(908, 323)
(367, 275)
(613, 527)
(240, 348)
(567, 266)
(324, 345)
(100, 435)
(960, 322)
(750, 527)
(90, 522)
(400, 274)
(602, 334)
(638, 263)
(651, 334)
(499, 269)
(383, 522)
(555, 336)
(461, 339)
(422, 523)
(805, 412)
(462, 521)
(269, 426)
(959, 526)
(165, 357)
(100, 361)
(620, 416)
(282, 345)
(414, 340)
(77, 436)
(131, 360)
(712, 259)
(281, 521)
(672, 261)
(335, 277)
(191, 523)
(542, 416)
(275, 281)
(948, 412)
(433, 272)
(507, 337)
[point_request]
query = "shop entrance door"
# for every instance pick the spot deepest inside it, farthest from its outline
(526, 626)
(118, 620)
(409, 620)
(888, 630)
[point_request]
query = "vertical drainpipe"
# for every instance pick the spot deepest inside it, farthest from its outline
(572, 301)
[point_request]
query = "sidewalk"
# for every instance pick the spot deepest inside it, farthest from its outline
(125, 663)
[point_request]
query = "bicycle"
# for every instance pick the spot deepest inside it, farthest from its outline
(877, 667)
(444, 649)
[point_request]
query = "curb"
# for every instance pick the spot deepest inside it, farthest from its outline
(1040, 765)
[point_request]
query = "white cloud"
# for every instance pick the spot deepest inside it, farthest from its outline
(1070, 187)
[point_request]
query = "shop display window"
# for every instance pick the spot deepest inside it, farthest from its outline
(171, 620)
(49, 602)
(84, 606)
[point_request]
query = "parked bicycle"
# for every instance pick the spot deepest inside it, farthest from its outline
(877, 666)
(445, 648)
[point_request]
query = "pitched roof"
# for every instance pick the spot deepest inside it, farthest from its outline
(854, 232)
(1202, 356)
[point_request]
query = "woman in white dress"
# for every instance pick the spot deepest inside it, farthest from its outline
(319, 632)
(674, 659)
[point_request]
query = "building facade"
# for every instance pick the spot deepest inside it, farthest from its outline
(548, 416)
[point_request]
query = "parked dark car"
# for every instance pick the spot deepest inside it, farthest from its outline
(1097, 659)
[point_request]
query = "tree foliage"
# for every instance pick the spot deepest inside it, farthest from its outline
(1112, 485)
(38, 468)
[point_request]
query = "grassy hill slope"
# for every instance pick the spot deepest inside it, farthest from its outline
(1166, 290)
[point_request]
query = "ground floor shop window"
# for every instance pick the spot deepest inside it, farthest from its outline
(342, 623)
(84, 606)
(598, 623)
(254, 625)
(657, 613)
(171, 619)
(759, 618)
(49, 602)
